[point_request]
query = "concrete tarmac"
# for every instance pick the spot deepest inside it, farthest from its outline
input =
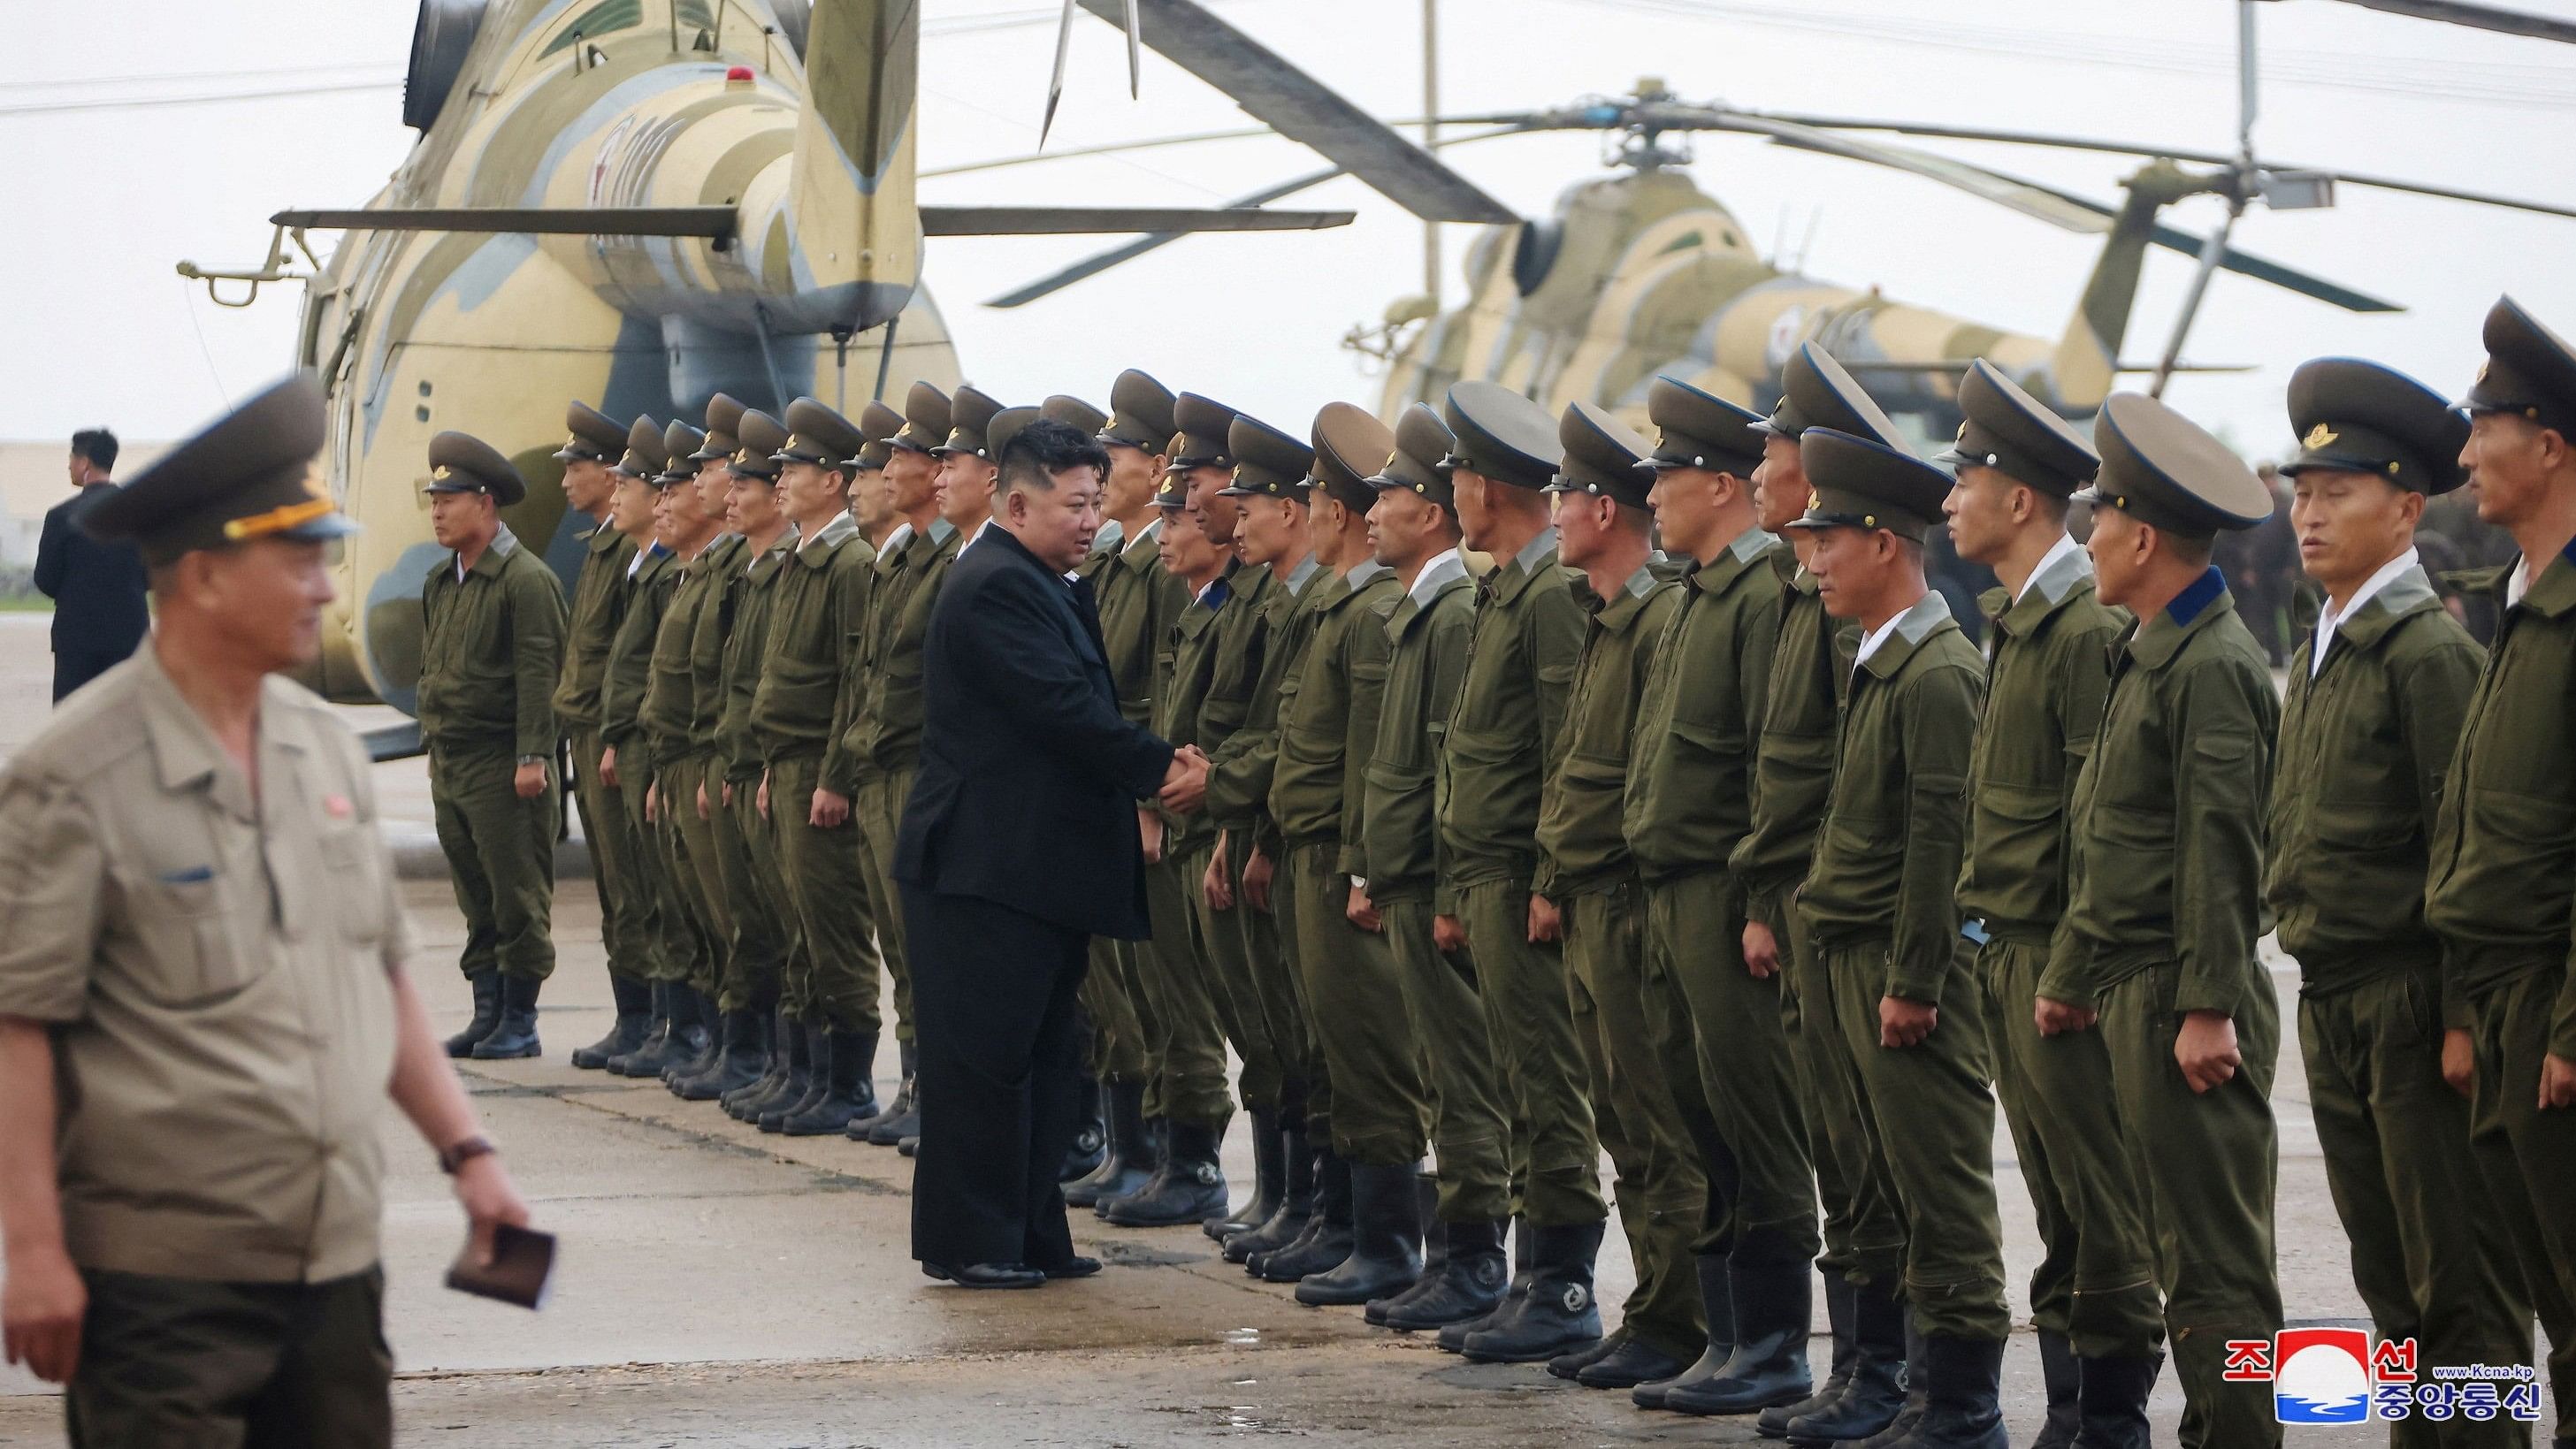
(719, 1287)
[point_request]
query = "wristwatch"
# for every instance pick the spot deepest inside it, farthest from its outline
(456, 1156)
(527, 760)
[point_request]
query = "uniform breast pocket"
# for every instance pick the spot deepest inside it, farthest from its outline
(354, 861)
(188, 953)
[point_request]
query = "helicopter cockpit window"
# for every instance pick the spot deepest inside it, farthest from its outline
(1534, 253)
(599, 20)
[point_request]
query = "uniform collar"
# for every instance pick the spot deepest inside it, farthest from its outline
(186, 753)
(941, 530)
(1888, 646)
(504, 544)
(1747, 549)
(2372, 608)
(1445, 567)
(1364, 573)
(2552, 591)
(1141, 553)
(827, 539)
(1111, 534)
(603, 539)
(1508, 580)
(1298, 577)
(2153, 644)
(1213, 597)
(1622, 609)
(897, 541)
(2060, 574)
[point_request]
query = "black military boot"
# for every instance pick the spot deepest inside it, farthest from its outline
(740, 1059)
(1386, 1241)
(487, 1012)
(1294, 1207)
(1559, 1312)
(1470, 1286)
(1774, 1423)
(1453, 1335)
(1769, 1365)
(1717, 1304)
(686, 1038)
(656, 1042)
(848, 1090)
(1874, 1392)
(709, 1052)
(902, 1116)
(1330, 1234)
(1192, 1184)
(1630, 1363)
(2063, 1374)
(634, 1019)
(1270, 1148)
(787, 1075)
(1435, 1249)
(1090, 1145)
(1130, 1158)
(515, 1035)
(816, 1085)
(2113, 1402)
(1960, 1409)
(1158, 1142)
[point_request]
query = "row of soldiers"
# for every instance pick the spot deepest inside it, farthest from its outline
(1733, 858)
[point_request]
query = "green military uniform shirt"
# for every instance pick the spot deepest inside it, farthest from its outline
(1887, 854)
(671, 696)
(490, 651)
(2166, 839)
(813, 624)
(1793, 766)
(1241, 648)
(1328, 713)
(1399, 851)
(755, 593)
(629, 671)
(711, 641)
(2050, 667)
(1511, 707)
(598, 603)
(1239, 776)
(2503, 882)
(1183, 671)
(1581, 807)
(889, 724)
(1137, 599)
(1689, 795)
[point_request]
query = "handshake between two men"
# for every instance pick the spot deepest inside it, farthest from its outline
(1184, 791)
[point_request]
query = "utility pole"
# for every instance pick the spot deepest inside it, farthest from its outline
(1431, 141)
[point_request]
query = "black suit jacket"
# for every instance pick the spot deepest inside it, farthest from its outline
(97, 588)
(1029, 774)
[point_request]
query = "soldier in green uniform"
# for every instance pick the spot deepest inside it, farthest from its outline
(1506, 728)
(871, 491)
(920, 536)
(1879, 902)
(626, 754)
(765, 931)
(1792, 775)
(1717, 1030)
(2370, 722)
(1587, 894)
(1399, 887)
(1137, 600)
(492, 627)
(598, 602)
(1188, 1184)
(2164, 898)
(1367, 1094)
(2093, 1294)
(811, 773)
(1273, 535)
(2502, 892)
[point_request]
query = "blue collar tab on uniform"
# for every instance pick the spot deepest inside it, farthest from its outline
(2204, 591)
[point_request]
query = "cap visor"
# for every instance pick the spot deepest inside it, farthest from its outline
(321, 530)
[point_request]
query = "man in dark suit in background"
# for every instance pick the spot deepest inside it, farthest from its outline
(1018, 846)
(97, 588)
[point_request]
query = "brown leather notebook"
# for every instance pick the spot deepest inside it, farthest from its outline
(523, 1260)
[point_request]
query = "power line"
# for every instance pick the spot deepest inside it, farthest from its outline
(142, 103)
(166, 77)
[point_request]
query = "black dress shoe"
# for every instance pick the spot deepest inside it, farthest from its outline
(986, 1275)
(1072, 1268)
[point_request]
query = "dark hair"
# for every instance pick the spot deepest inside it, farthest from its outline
(1045, 448)
(98, 445)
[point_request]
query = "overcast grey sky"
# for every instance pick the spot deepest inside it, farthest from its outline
(98, 327)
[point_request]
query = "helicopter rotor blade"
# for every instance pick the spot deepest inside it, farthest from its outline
(1135, 54)
(713, 223)
(1055, 86)
(1305, 110)
(2482, 17)
(1097, 220)
(2030, 201)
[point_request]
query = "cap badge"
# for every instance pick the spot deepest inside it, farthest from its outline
(1963, 430)
(2318, 437)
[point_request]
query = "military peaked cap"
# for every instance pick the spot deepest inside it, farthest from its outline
(925, 420)
(680, 445)
(2528, 370)
(1500, 434)
(1602, 457)
(2008, 429)
(816, 434)
(761, 437)
(1006, 425)
(970, 415)
(461, 463)
(1702, 430)
(596, 437)
(1349, 441)
(644, 457)
(724, 422)
(1864, 483)
(1816, 392)
(249, 474)
(1074, 413)
(2160, 468)
(1267, 462)
(2365, 418)
(1420, 461)
(1201, 431)
(1140, 413)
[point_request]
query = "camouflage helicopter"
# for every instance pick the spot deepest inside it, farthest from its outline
(640, 203)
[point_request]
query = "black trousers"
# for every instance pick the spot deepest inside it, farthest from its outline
(1000, 1069)
(80, 666)
(176, 1363)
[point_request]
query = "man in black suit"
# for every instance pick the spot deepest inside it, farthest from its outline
(97, 588)
(1019, 844)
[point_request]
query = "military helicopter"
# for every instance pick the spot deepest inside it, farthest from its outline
(640, 203)
(1641, 273)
